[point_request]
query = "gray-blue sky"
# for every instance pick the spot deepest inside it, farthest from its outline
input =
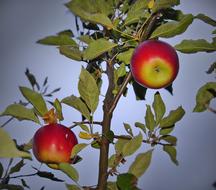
(23, 22)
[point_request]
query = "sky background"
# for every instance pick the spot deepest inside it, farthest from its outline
(23, 22)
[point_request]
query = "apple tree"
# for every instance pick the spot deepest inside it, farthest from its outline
(108, 33)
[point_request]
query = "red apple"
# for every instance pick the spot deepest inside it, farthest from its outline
(53, 143)
(154, 64)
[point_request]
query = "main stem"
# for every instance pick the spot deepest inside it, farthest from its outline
(107, 117)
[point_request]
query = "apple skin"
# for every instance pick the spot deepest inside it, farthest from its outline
(53, 143)
(154, 64)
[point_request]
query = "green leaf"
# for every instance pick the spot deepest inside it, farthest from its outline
(35, 99)
(132, 145)
(141, 164)
(70, 171)
(204, 97)
(86, 39)
(97, 48)
(72, 187)
(24, 184)
(173, 28)
(149, 119)
(94, 11)
(206, 19)
(194, 46)
(88, 89)
(214, 31)
(112, 161)
(111, 185)
(110, 136)
(17, 167)
(71, 52)
(8, 148)
(170, 139)
(166, 130)
(11, 187)
(77, 148)
(119, 145)
(126, 181)
(125, 56)
(58, 107)
(136, 12)
(77, 104)
(141, 126)
(66, 32)
(128, 129)
(1, 170)
(84, 128)
(20, 112)
(171, 151)
(164, 4)
(57, 40)
(159, 107)
(173, 117)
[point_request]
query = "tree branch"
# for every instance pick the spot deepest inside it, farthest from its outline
(85, 122)
(144, 141)
(106, 124)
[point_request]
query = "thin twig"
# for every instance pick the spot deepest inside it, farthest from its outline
(25, 175)
(120, 92)
(85, 122)
(144, 141)
(8, 121)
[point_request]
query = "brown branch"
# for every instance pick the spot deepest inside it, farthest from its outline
(144, 141)
(85, 122)
(106, 124)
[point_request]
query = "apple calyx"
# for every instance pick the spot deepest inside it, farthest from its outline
(154, 64)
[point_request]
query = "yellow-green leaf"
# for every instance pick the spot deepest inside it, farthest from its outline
(58, 107)
(171, 151)
(125, 56)
(204, 96)
(164, 4)
(20, 112)
(132, 145)
(71, 52)
(206, 19)
(57, 40)
(149, 119)
(77, 104)
(140, 164)
(88, 89)
(77, 148)
(70, 171)
(194, 46)
(128, 129)
(136, 12)
(159, 107)
(173, 117)
(84, 135)
(173, 28)
(8, 148)
(92, 11)
(35, 99)
(97, 48)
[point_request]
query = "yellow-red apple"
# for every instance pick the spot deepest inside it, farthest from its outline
(53, 143)
(154, 64)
